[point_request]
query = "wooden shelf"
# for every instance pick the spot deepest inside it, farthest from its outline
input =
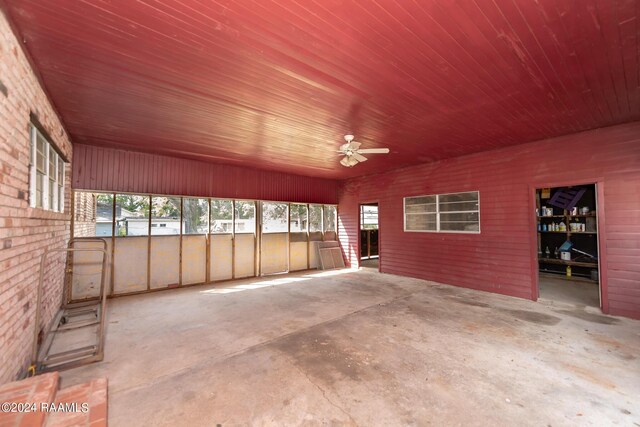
(567, 216)
(569, 232)
(564, 262)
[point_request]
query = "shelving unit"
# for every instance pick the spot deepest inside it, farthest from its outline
(586, 241)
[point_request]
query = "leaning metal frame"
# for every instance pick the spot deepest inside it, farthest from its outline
(79, 356)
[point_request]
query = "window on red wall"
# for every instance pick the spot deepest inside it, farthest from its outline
(446, 213)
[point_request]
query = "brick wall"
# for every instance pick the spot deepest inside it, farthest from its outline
(84, 221)
(24, 232)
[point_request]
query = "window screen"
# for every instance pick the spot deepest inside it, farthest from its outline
(456, 212)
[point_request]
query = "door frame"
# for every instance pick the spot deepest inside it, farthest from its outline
(370, 202)
(601, 236)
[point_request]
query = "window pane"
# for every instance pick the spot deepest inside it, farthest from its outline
(245, 216)
(195, 216)
(274, 217)
(368, 217)
(315, 218)
(52, 189)
(458, 206)
(39, 193)
(460, 226)
(104, 214)
(221, 216)
(41, 155)
(459, 217)
(329, 218)
(421, 222)
(298, 218)
(60, 198)
(165, 218)
(53, 163)
(93, 214)
(471, 196)
(132, 215)
(420, 204)
(60, 171)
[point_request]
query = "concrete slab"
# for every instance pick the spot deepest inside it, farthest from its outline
(578, 292)
(362, 348)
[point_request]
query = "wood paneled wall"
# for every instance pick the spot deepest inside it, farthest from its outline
(502, 258)
(107, 169)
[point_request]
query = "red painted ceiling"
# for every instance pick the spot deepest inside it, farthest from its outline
(275, 84)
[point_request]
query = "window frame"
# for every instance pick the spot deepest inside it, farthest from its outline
(438, 212)
(52, 197)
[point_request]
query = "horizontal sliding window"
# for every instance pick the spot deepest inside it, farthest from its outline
(456, 212)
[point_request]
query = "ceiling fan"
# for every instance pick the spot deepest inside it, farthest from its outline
(353, 153)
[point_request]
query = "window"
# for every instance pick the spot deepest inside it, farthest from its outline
(368, 217)
(165, 214)
(46, 189)
(456, 212)
(93, 214)
(315, 218)
(221, 216)
(329, 218)
(274, 217)
(132, 215)
(245, 216)
(195, 215)
(298, 218)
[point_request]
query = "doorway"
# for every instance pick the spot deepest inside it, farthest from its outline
(369, 236)
(568, 245)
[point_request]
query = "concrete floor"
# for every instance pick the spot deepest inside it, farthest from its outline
(362, 348)
(554, 288)
(372, 263)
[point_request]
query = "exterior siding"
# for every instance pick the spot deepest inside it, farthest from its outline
(502, 257)
(24, 232)
(107, 169)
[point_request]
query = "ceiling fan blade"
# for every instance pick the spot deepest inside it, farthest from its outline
(359, 157)
(345, 162)
(374, 150)
(344, 148)
(353, 145)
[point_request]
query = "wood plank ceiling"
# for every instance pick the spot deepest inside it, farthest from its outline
(276, 84)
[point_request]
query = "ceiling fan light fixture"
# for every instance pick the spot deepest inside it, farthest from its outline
(348, 161)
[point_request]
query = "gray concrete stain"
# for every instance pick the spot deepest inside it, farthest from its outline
(590, 317)
(532, 316)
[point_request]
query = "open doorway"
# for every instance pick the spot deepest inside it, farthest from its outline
(568, 258)
(369, 236)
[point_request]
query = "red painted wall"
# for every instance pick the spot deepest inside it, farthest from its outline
(107, 169)
(502, 258)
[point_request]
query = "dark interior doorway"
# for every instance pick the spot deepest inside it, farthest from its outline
(369, 235)
(568, 245)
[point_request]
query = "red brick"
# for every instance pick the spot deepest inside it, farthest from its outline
(30, 230)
